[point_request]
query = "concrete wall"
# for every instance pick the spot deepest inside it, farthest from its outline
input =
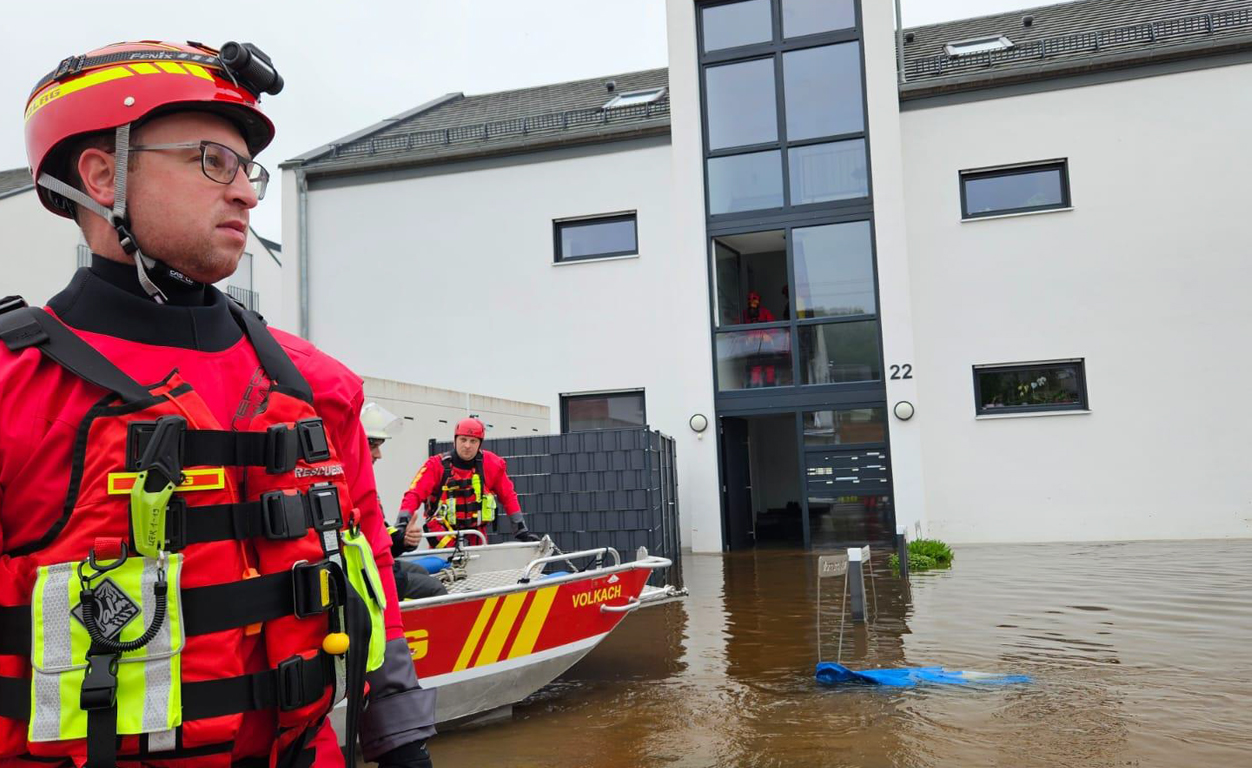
(432, 413)
(892, 253)
(267, 279)
(1146, 278)
(445, 277)
(40, 250)
(690, 272)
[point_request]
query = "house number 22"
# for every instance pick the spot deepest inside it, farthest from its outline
(901, 372)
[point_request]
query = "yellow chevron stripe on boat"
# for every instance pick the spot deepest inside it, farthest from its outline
(536, 615)
(500, 629)
(471, 642)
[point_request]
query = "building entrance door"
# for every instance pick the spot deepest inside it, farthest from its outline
(763, 495)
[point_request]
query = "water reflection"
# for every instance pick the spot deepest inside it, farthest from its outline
(1140, 654)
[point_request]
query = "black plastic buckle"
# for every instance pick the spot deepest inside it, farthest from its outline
(282, 516)
(176, 525)
(313, 444)
(162, 457)
(282, 449)
(10, 303)
(291, 690)
(324, 509)
(124, 236)
(99, 689)
(19, 332)
(70, 65)
(310, 583)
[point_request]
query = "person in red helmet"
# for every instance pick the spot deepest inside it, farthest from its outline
(462, 489)
(759, 373)
(193, 566)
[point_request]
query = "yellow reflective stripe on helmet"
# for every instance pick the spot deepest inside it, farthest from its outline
(56, 90)
(198, 71)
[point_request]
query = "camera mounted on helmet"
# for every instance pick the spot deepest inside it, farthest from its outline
(251, 68)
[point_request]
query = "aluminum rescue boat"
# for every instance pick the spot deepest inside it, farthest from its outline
(516, 616)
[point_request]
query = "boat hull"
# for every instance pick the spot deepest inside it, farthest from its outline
(492, 648)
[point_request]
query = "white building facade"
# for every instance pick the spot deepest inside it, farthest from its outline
(42, 252)
(958, 299)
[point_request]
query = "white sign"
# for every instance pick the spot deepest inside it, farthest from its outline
(832, 565)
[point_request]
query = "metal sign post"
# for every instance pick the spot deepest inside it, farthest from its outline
(857, 557)
(902, 552)
(829, 566)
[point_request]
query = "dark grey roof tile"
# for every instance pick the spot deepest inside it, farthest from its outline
(1080, 32)
(548, 115)
(14, 180)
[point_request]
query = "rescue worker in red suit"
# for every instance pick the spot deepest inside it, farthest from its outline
(461, 489)
(759, 375)
(149, 148)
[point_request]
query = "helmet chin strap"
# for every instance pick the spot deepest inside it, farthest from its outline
(116, 217)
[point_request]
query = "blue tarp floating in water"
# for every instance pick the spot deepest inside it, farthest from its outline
(834, 674)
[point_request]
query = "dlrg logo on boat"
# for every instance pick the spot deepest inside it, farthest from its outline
(598, 596)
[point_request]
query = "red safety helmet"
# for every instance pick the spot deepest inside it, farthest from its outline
(127, 82)
(753, 295)
(470, 427)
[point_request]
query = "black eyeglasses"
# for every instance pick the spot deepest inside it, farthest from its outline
(220, 163)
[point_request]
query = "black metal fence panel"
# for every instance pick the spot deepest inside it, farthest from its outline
(607, 488)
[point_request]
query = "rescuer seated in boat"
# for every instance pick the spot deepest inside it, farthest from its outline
(462, 489)
(412, 580)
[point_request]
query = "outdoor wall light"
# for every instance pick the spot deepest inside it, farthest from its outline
(699, 423)
(903, 410)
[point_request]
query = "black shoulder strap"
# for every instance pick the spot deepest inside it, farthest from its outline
(277, 363)
(32, 327)
(447, 472)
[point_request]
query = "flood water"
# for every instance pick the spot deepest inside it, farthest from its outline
(1141, 655)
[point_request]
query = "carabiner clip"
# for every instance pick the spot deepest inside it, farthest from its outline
(98, 567)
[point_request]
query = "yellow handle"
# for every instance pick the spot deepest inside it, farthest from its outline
(336, 643)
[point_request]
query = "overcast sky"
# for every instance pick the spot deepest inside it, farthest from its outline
(348, 65)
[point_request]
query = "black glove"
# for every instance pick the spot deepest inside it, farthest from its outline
(411, 755)
(398, 547)
(521, 532)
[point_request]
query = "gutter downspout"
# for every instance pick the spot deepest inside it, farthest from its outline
(899, 44)
(302, 270)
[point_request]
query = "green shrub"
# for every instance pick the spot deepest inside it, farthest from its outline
(917, 562)
(933, 548)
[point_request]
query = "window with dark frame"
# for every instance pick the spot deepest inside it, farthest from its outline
(1018, 189)
(598, 237)
(783, 105)
(1030, 387)
(603, 410)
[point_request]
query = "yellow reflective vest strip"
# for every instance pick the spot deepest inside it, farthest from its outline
(362, 572)
(149, 679)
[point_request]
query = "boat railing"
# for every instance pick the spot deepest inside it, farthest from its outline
(459, 534)
(598, 553)
(651, 562)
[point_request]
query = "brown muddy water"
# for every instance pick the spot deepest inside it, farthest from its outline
(1141, 655)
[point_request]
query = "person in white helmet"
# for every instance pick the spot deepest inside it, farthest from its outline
(412, 580)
